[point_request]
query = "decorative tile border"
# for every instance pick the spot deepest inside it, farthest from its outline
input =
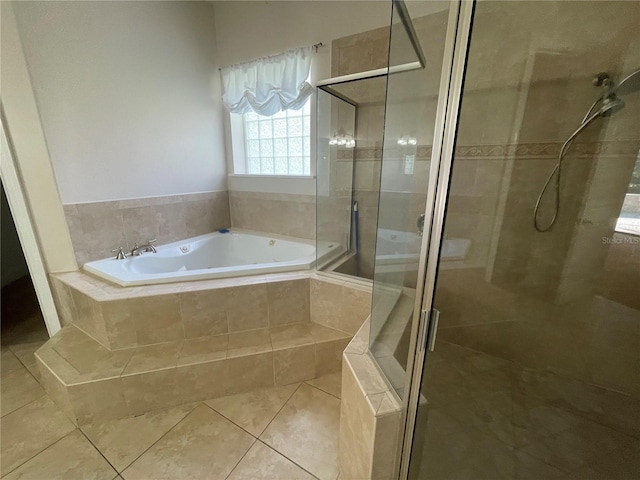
(552, 149)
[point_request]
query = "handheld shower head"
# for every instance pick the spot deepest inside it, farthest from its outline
(610, 105)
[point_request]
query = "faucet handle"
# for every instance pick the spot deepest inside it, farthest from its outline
(151, 242)
(121, 254)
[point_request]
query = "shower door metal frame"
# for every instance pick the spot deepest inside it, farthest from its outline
(446, 125)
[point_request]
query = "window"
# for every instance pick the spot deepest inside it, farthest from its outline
(629, 219)
(279, 144)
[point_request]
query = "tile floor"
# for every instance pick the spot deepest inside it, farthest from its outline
(288, 432)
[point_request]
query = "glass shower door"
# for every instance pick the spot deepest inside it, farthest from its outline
(334, 169)
(535, 371)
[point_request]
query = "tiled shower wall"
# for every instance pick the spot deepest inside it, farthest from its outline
(98, 227)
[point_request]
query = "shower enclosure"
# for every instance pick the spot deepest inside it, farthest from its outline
(515, 350)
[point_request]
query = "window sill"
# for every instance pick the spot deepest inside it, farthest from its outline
(287, 177)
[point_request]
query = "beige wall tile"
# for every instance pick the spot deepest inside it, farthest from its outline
(89, 317)
(288, 336)
(204, 313)
(288, 302)
(329, 356)
(247, 307)
(200, 381)
(155, 319)
(206, 349)
(248, 343)
(357, 427)
(149, 391)
(97, 401)
(289, 215)
(293, 365)
(153, 357)
(98, 227)
(250, 373)
(338, 306)
(64, 301)
(120, 326)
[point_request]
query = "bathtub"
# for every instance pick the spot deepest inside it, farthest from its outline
(214, 255)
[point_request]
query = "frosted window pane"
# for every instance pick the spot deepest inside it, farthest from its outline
(253, 148)
(281, 165)
(295, 166)
(280, 144)
(295, 146)
(280, 147)
(265, 129)
(252, 130)
(266, 148)
(267, 165)
(280, 128)
(295, 127)
(254, 165)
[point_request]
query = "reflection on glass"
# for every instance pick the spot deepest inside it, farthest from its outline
(408, 136)
(349, 173)
(536, 369)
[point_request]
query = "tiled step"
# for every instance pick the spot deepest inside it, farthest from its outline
(90, 382)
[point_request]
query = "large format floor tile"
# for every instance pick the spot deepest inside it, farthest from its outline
(254, 410)
(204, 445)
(18, 388)
(264, 463)
(122, 441)
(306, 431)
(29, 430)
(331, 383)
(25, 353)
(73, 457)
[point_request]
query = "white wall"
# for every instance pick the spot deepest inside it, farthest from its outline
(247, 30)
(128, 94)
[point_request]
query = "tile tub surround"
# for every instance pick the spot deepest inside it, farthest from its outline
(370, 416)
(283, 214)
(98, 227)
(91, 383)
(228, 336)
(120, 317)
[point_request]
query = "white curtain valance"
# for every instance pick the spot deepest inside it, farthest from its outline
(268, 85)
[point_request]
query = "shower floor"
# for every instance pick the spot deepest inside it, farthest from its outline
(489, 418)
(283, 432)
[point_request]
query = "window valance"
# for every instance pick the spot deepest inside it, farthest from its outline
(270, 84)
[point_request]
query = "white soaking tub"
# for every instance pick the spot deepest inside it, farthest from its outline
(214, 255)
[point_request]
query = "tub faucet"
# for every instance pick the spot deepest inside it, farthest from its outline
(148, 247)
(121, 254)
